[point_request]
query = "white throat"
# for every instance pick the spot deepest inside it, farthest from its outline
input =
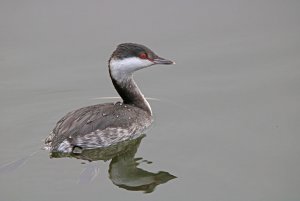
(123, 69)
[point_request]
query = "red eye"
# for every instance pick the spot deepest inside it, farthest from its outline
(143, 56)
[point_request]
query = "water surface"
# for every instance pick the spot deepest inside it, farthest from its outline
(227, 123)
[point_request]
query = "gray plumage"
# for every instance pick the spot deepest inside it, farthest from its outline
(98, 126)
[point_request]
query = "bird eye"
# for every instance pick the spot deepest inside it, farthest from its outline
(143, 55)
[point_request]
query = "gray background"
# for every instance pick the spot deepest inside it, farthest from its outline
(228, 121)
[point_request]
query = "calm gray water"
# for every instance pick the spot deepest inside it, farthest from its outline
(228, 120)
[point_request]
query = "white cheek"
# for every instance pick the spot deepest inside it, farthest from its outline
(121, 69)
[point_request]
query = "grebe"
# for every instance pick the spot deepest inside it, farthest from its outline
(106, 124)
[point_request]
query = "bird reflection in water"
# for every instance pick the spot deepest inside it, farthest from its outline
(123, 167)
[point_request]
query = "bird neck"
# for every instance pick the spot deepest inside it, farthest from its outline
(130, 92)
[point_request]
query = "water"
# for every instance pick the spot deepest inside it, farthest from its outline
(227, 123)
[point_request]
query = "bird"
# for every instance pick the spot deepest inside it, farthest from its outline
(106, 124)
